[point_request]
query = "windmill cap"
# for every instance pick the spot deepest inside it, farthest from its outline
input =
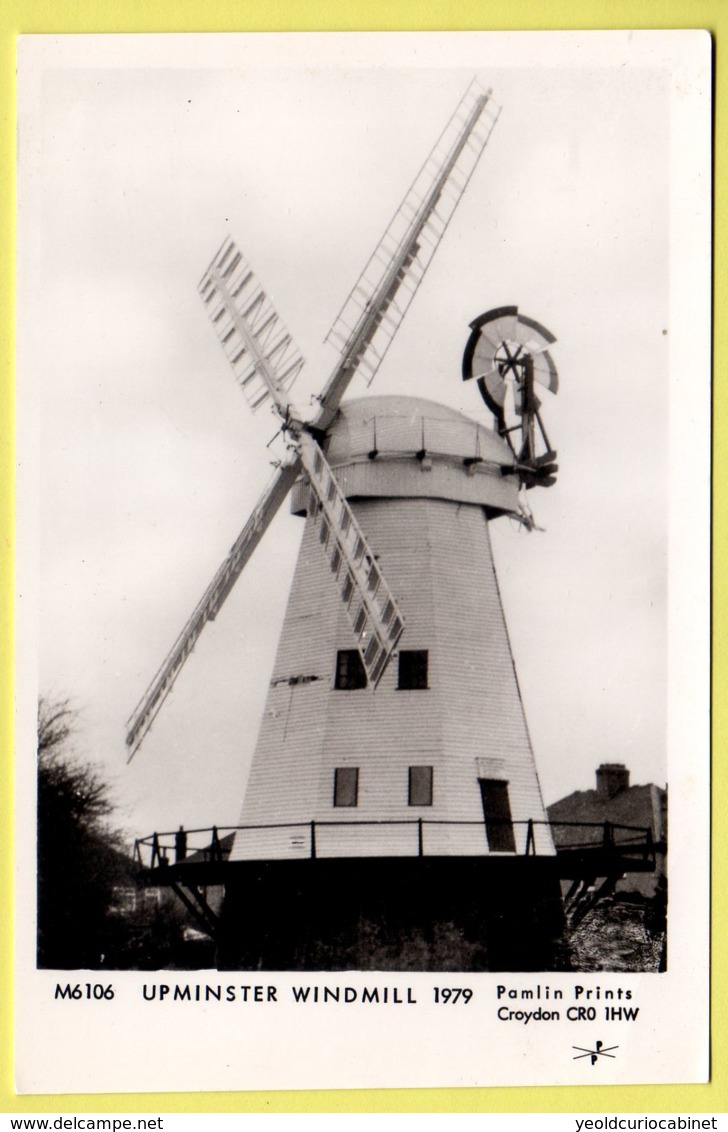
(396, 426)
(409, 447)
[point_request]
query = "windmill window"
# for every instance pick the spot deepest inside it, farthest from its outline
(420, 786)
(350, 672)
(346, 785)
(412, 669)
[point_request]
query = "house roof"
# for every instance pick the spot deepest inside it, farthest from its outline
(639, 806)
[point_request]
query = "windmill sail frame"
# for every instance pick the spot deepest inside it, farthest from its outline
(375, 617)
(371, 315)
(259, 348)
(266, 362)
(209, 604)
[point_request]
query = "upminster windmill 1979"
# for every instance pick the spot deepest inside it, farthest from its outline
(393, 815)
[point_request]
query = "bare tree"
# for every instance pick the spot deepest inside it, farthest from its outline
(80, 855)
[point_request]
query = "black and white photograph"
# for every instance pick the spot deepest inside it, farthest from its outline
(363, 608)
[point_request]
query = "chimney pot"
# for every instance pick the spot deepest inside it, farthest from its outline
(611, 778)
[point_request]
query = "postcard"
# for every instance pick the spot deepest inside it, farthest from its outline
(363, 389)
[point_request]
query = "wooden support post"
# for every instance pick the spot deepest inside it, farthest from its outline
(208, 920)
(420, 838)
(313, 840)
(608, 842)
(573, 889)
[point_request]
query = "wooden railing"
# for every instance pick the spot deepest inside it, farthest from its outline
(208, 845)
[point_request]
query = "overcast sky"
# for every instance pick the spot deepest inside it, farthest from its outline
(136, 164)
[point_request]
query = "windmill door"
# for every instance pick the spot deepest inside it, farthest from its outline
(497, 813)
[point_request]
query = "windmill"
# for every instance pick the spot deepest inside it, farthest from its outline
(393, 735)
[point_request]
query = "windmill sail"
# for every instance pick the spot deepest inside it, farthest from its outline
(370, 605)
(239, 308)
(266, 362)
(209, 604)
(372, 313)
(260, 350)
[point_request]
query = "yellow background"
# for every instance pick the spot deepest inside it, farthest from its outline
(84, 16)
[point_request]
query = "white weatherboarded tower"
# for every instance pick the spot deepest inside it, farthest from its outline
(444, 735)
(393, 816)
